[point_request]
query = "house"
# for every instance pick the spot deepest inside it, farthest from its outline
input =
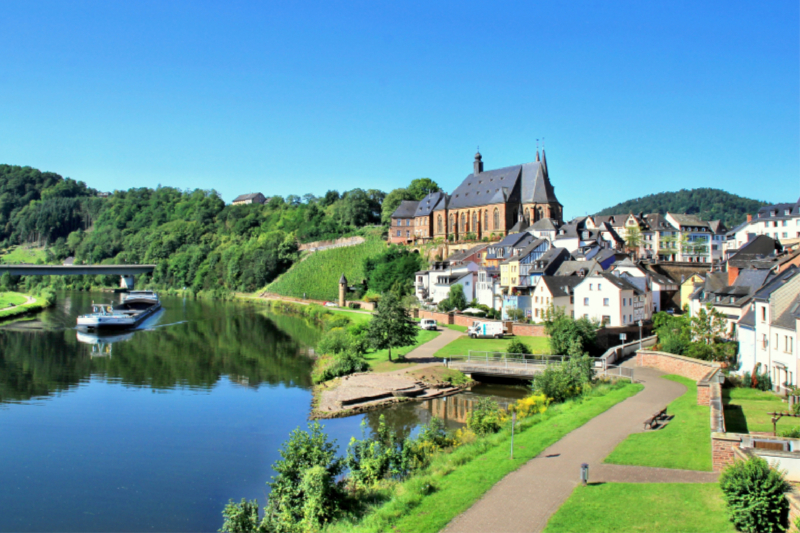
(718, 239)
(468, 255)
(251, 198)
(556, 292)
(432, 286)
(689, 286)
(694, 239)
(488, 292)
(511, 245)
(779, 221)
(612, 300)
(579, 268)
(510, 269)
(661, 287)
(658, 238)
(768, 330)
(403, 222)
(424, 218)
(760, 253)
(729, 299)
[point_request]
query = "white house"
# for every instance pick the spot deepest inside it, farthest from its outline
(555, 291)
(768, 330)
(611, 300)
(488, 292)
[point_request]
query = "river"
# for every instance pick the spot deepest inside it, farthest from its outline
(155, 429)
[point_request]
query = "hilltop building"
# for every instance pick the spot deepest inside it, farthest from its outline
(488, 203)
(251, 198)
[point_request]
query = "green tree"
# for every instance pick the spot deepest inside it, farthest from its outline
(456, 297)
(391, 326)
(567, 335)
(708, 326)
(633, 239)
(422, 187)
(392, 202)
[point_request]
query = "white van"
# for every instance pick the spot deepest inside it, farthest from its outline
(428, 323)
(486, 329)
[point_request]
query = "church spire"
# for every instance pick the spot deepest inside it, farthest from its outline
(477, 165)
(544, 161)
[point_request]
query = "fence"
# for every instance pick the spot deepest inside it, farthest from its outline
(615, 371)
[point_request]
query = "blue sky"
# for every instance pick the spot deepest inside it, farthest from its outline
(632, 98)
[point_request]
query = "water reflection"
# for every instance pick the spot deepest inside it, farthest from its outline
(101, 344)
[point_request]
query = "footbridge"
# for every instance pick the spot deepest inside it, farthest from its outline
(126, 272)
(499, 364)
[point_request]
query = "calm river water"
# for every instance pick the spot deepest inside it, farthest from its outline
(155, 429)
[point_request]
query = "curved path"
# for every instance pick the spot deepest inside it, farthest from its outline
(524, 500)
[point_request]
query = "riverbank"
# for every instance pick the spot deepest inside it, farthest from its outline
(16, 304)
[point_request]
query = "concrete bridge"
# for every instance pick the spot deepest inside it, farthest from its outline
(503, 364)
(126, 272)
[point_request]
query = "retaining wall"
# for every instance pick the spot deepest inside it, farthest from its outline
(441, 318)
(528, 330)
(675, 364)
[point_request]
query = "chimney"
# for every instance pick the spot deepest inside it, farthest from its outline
(749, 218)
(477, 165)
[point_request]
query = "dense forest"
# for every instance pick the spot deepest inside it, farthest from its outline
(708, 204)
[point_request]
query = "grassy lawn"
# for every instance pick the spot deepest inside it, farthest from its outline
(746, 410)
(356, 317)
(379, 361)
(462, 345)
(22, 308)
(17, 255)
(460, 478)
(9, 299)
(685, 442)
(643, 507)
(456, 327)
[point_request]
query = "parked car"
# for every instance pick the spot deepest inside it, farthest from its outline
(486, 329)
(429, 324)
(330, 304)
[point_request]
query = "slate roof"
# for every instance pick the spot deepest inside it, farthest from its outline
(775, 283)
(751, 278)
(571, 268)
(249, 196)
(544, 224)
(620, 282)
(749, 318)
(428, 204)
(529, 247)
(656, 222)
(778, 211)
(463, 254)
(688, 220)
(756, 251)
(489, 187)
(789, 315)
(614, 220)
(717, 227)
(662, 279)
(526, 183)
(561, 285)
(406, 209)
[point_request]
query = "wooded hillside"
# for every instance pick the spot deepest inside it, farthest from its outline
(707, 203)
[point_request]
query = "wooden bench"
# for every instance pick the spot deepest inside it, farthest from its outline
(654, 420)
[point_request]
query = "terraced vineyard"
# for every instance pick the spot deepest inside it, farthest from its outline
(317, 276)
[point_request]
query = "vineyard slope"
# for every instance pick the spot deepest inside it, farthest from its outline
(317, 276)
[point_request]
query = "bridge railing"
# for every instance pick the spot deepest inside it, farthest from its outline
(487, 356)
(615, 371)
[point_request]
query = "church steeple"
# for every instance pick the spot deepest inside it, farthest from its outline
(544, 161)
(477, 165)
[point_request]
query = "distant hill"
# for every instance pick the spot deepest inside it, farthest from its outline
(706, 203)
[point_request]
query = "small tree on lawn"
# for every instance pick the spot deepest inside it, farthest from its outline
(456, 297)
(391, 326)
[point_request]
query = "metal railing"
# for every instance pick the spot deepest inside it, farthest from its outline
(615, 371)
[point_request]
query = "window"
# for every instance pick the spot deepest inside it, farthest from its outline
(486, 220)
(475, 221)
(605, 302)
(439, 224)
(764, 341)
(606, 319)
(776, 341)
(408, 233)
(586, 301)
(599, 286)
(463, 223)
(496, 221)
(764, 314)
(537, 299)
(630, 318)
(590, 286)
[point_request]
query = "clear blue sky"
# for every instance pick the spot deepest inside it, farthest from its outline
(632, 98)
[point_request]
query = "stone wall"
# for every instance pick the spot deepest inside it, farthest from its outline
(441, 318)
(675, 364)
(724, 447)
(466, 320)
(324, 245)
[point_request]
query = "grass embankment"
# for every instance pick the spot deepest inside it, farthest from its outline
(379, 361)
(746, 410)
(462, 345)
(317, 275)
(14, 304)
(643, 507)
(17, 255)
(454, 481)
(684, 443)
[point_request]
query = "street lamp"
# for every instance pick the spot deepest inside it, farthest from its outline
(640, 335)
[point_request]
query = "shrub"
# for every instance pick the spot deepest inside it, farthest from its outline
(304, 494)
(242, 518)
(335, 341)
(564, 381)
(761, 382)
(755, 494)
(485, 417)
(374, 458)
(793, 433)
(517, 346)
(353, 305)
(532, 405)
(344, 363)
(565, 332)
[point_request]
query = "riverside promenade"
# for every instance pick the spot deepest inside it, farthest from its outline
(524, 500)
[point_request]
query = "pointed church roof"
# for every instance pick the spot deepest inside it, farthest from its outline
(536, 186)
(343, 280)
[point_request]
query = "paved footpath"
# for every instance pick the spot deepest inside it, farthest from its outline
(424, 353)
(524, 500)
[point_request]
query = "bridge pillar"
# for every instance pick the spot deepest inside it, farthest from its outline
(126, 282)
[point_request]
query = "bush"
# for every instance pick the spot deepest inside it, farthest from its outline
(567, 334)
(532, 405)
(756, 496)
(344, 363)
(485, 417)
(564, 381)
(353, 305)
(793, 433)
(304, 495)
(761, 382)
(517, 346)
(374, 458)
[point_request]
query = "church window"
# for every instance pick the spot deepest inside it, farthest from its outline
(463, 222)
(475, 221)
(496, 221)
(486, 220)
(452, 224)
(439, 224)
(527, 215)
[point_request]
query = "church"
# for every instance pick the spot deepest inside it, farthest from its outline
(488, 203)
